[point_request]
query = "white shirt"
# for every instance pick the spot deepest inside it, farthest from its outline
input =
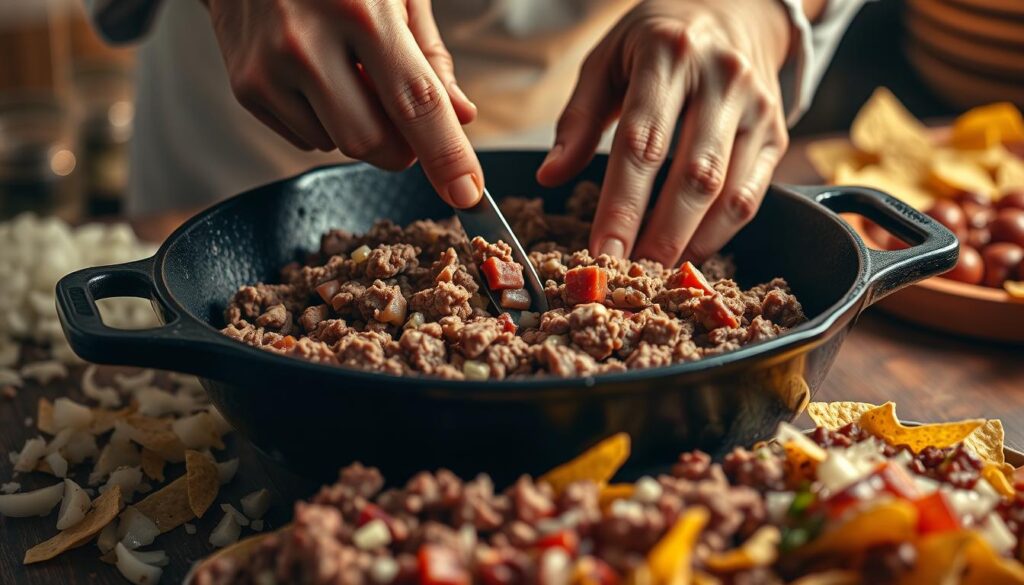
(194, 144)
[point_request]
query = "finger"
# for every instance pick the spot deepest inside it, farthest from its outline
(652, 104)
(428, 37)
(413, 98)
(271, 121)
(293, 110)
(592, 107)
(695, 178)
(352, 115)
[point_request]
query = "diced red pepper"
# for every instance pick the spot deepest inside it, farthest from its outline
(716, 313)
(372, 512)
(563, 539)
(934, 514)
(441, 566)
(507, 324)
(897, 481)
(502, 275)
(688, 276)
(286, 342)
(328, 289)
(852, 495)
(586, 284)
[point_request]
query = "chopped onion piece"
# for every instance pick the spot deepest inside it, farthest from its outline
(360, 254)
(220, 425)
(529, 320)
(107, 538)
(925, 485)
(837, 471)
(9, 377)
(372, 535)
(128, 478)
(995, 531)
(788, 433)
(58, 464)
(226, 470)
(555, 567)
(384, 570)
(136, 529)
(133, 569)
(73, 505)
(10, 487)
(239, 517)
(256, 525)
(44, 372)
(475, 370)
(190, 528)
(106, 396)
(157, 558)
(256, 504)
(130, 383)
(647, 490)
(35, 503)
(31, 453)
(76, 445)
(196, 431)
(777, 505)
(226, 532)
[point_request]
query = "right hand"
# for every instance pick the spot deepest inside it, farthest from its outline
(372, 79)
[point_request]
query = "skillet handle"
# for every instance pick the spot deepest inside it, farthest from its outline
(933, 248)
(179, 344)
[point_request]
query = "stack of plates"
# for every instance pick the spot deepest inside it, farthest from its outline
(971, 52)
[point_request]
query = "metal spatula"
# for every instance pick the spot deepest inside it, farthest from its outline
(485, 220)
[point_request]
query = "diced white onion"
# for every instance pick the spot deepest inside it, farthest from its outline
(372, 535)
(107, 538)
(226, 470)
(132, 382)
(128, 478)
(196, 431)
(58, 464)
(647, 490)
(9, 377)
(256, 504)
(360, 254)
(239, 517)
(995, 531)
(555, 567)
(106, 396)
(226, 532)
(190, 528)
(788, 433)
(10, 487)
(44, 372)
(136, 571)
(837, 471)
(383, 570)
(30, 454)
(136, 529)
(777, 505)
(35, 503)
(475, 370)
(73, 506)
(256, 525)
(157, 558)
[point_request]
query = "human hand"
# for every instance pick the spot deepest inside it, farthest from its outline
(372, 79)
(711, 65)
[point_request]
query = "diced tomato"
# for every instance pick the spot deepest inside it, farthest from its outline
(507, 324)
(593, 571)
(688, 276)
(715, 313)
(441, 566)
(934, 514)
(897, 481)
(372, 512)
(563, 539)
(497, 571)
(586, 284)
(850, 496)
(502, 275)
(286, 342)
(328, 289)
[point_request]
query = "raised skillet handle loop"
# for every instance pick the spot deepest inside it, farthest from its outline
(172, 344)
(933, 248)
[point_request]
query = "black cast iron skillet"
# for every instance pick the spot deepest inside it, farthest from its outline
(315, 418)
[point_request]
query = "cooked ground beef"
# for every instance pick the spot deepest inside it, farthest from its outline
(407, 301)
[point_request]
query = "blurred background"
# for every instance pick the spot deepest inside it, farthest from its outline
(66, 98)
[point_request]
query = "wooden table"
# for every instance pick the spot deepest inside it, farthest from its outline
(930, 375)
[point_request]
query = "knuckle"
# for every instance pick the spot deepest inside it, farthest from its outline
(742, 204)
(645, 141)
(735, 66)
(418, 99)
(447, 155)
(361, 13)
(621, 217)
(361, 146)
(763, 105)
(700, 250)
(705, 176)
(668, 35)
(781, 138)
(669, 246)
(248, 86)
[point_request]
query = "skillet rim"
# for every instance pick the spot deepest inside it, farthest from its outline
(806, 333)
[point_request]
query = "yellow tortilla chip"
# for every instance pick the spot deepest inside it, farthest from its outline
(156, 435)
(877, 177)
(1009, 175)
(616, 491)
(44, 417)
(987, 442)
(882, 423)
(800, 465)
(834, 415)
(1014, 288)
(669, 562)
(104, 510)
(597, 464)
(998, 480)
(999, 122)
(760, 550)
(152, 464)
(827, 156)
(890, 521)
(962, 557)
(985, 566)
(203, 481)
(169, 506)
(884, 125)
(833, 577)
(948, 177)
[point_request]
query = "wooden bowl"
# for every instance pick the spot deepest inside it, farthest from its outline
(1005, 8)
(985, 26)
(954, 307)
(967, 52)
(961, 87)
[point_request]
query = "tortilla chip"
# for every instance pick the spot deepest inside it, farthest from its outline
(985, 566)
(891, 521)
(833, 577)
(987, 442)
(827, 156)
(156, 435)
(671, 558)
(882, 179)
(203, 481)
(800, 465)
(834, 415)
(995, 476)
(1009, 175)
(1014, 288)
(104, 510)
(963, 557)
(884, 125)
(882, 423)
(597, 464)
(153, 464)
(760, 550)
(169, 506)
(987, 125)
(615, 491)
(949, 176)
(44, 417)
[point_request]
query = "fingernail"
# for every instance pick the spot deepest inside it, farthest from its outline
(613, 247)
(454, 87)
(465, 191)
(552, 156)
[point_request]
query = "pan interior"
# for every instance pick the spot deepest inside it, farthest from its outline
(249, 238)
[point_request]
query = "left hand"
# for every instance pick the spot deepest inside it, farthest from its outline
(715, 64)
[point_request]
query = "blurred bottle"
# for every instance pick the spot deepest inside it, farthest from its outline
(37, 125)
